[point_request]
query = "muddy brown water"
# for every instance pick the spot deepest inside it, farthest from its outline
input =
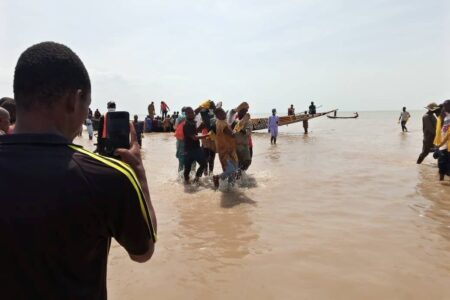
(342, 213)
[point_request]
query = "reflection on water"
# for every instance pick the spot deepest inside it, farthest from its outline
(235, 197)
(273, 153)
(216, 238)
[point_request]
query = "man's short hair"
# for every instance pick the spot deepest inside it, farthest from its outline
(111, 104)
(47, 71)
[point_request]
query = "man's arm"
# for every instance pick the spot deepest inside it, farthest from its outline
(133, 158)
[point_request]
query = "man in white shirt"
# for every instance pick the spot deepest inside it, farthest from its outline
(404, 117)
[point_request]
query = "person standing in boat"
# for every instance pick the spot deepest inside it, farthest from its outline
(305, 123)
(403, 119)
(151, 110)
(312, 109)
(273, 126)
(164, 109)
(429, 130)
(291, 110)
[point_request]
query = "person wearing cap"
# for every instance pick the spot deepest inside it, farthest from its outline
(273, 126)
(429, 130)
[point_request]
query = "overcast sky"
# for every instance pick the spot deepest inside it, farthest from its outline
(353, 55)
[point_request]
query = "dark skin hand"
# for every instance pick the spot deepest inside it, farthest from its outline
(133, 157)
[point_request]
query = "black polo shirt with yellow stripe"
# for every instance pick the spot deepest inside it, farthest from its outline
(59, 207)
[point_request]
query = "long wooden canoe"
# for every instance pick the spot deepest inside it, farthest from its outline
(336, 117)
(262, 123)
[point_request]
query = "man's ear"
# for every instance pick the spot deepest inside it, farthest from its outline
(72, 99)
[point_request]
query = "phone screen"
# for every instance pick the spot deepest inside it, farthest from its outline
(117, 130)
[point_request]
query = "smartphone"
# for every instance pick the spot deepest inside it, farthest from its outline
(117, 132)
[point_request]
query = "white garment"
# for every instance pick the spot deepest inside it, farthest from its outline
(404, 116)
(89, 127)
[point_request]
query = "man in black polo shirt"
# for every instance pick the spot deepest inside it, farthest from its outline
(61, 204)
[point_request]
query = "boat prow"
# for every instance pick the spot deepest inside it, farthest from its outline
(263, 123)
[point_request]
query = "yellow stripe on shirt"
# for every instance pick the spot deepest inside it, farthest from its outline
(129, 173)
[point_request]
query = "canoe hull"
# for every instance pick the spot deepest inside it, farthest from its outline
(263, 123)
(331, 117)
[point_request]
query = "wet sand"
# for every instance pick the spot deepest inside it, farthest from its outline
(343, 213)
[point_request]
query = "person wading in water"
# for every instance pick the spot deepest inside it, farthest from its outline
(226, 148)
(429, 130)
(273, 126)
(403, 119)
(192, 147)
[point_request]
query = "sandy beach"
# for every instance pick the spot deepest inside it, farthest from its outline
(343, 213)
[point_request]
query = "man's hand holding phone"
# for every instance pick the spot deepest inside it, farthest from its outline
(131, 156)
